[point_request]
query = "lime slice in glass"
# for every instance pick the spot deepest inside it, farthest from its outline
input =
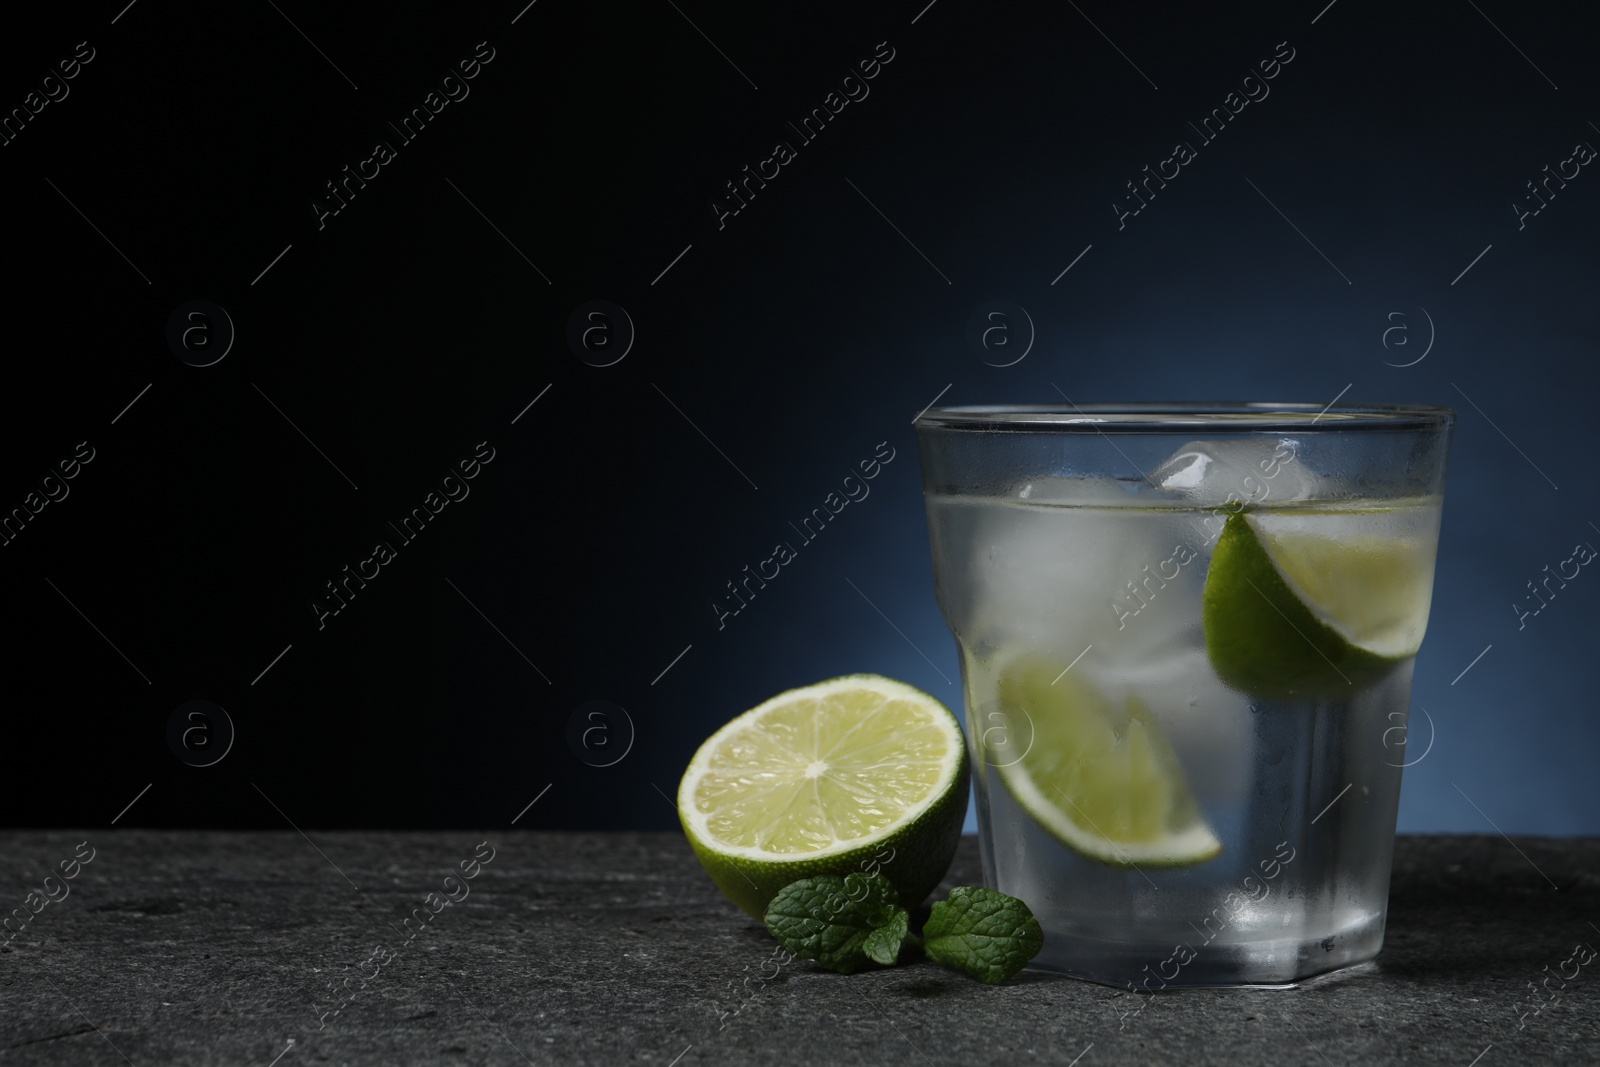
(1100, 774)
(1296, 614)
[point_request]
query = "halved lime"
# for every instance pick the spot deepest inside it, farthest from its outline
(861, 773)
(1100, 775)
(1296, 614)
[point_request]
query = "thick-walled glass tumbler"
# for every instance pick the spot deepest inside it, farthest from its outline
(1187, 635)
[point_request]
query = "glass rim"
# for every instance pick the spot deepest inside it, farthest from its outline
(1187, 417)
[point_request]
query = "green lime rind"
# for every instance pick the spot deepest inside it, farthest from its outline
(1263, 639)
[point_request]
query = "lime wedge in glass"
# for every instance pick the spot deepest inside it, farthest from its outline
(1099, 774)
(1295, 614)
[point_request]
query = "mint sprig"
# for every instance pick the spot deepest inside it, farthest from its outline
(983, 933)
(852, 922)
(842, 923)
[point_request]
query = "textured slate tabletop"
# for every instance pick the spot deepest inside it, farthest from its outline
(176, 948)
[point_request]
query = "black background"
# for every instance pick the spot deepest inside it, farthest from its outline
(771, 356)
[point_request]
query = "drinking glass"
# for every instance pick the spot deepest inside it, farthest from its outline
(1186, 636)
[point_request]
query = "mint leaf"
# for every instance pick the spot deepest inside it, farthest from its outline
(983, 933)
(883, 944)
(842, 923)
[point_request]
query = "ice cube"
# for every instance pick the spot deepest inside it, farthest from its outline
(1078, 492)
(1248, 469)
(1046, 575)
(1208, 724)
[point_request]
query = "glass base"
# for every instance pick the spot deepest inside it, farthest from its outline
(1151, 967)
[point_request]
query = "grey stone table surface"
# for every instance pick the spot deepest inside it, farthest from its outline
(249, 948)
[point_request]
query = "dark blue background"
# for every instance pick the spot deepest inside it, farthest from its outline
(796, 339)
